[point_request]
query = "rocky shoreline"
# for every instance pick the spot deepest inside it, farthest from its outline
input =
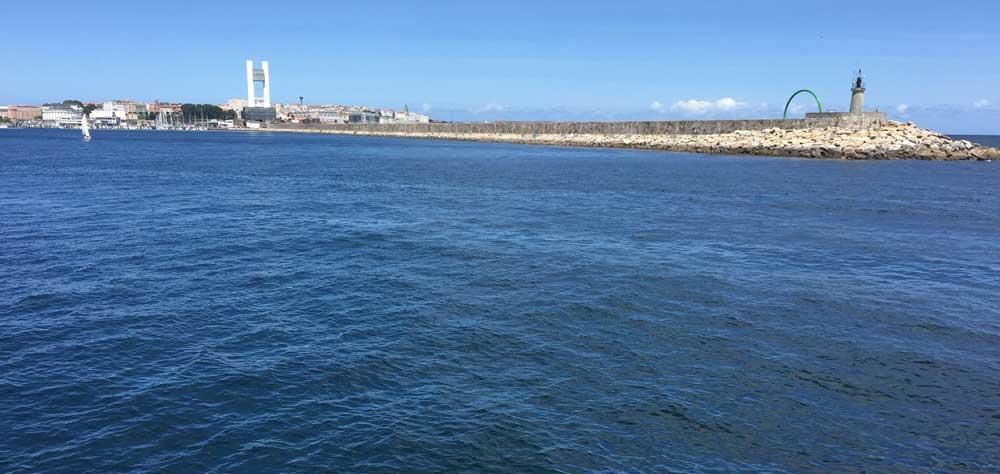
(891, 141)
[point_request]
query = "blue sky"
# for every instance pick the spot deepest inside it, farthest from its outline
(936, 63)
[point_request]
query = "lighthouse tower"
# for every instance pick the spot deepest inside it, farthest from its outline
(858, 95)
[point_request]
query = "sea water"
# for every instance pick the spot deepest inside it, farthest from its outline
(244, 302)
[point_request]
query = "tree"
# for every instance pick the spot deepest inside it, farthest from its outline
(88, 108)
(73, 102)
(195, 112)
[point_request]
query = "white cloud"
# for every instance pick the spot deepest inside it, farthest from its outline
(902, 109)
(491, 107)
(702, 107)
(727, 103)
(426, 107)
(657, 106)
(692, 106)
(981, 103)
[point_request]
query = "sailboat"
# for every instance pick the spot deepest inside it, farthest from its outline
(85, 128)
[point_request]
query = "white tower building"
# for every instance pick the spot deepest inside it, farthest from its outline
(258, 75)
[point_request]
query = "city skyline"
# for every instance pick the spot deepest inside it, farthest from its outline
(557, 61)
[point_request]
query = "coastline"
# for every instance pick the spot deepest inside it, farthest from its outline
(891, 141)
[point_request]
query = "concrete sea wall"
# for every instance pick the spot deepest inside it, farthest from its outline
(864, 139)
(680, 127)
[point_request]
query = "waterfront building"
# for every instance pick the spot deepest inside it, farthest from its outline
(61, 115)
(410, 117)
(135, 111)
(104, 118)
(24, 113)
(259, 109)
(104, 121)
(259, 114)
(321, 114)
(130, 110)
(4, 112)
(332, 116)
(110, 111)
(164, 108)
(363, 117)
(303, 117)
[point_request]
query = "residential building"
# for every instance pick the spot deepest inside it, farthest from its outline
(128, 110)
(114, 111)
(164, 108)
(136, 111)
(283, 112)
(235, 105)
(21, 113)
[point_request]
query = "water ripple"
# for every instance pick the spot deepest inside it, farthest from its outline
(257, 302)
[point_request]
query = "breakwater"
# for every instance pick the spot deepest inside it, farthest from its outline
(866, 121)
(865, 137)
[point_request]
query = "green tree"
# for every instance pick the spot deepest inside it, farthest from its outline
(195, 112)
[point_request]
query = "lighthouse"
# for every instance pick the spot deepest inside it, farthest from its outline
(855, 119)
(858, 95)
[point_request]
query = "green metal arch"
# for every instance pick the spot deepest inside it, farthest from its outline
(818, 103)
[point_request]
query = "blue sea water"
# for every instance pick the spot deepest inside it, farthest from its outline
(987, 140)
(227, 302)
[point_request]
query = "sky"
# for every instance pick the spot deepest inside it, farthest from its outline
(932, 62)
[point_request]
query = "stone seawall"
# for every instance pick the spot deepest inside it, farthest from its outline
(679, 127)
(881, 140)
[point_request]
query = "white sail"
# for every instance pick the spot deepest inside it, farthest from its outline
(85, 127)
